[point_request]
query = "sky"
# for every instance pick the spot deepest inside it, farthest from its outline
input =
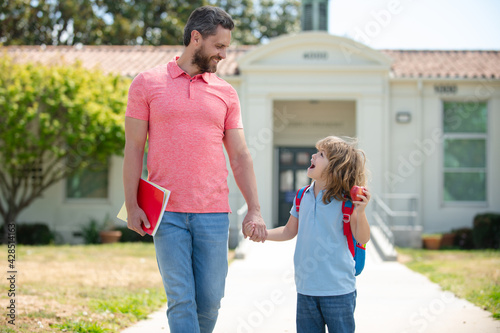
(418, 24)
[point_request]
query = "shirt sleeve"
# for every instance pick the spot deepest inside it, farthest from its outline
(233, 116)
(138, 104)
(293, 211)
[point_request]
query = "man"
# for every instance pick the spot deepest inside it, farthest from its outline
(188, 114)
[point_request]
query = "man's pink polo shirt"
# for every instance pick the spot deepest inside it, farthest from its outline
(187, 118)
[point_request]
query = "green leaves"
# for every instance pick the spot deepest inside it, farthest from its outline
(152, 22)
(57, 118)
(58, 109)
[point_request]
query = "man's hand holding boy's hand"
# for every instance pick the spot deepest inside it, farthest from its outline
(248, 229)
(255, 228)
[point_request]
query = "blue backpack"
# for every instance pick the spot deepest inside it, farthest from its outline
(358, 251)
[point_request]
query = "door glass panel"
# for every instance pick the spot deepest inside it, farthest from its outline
(286, 181)
(293, 163)
(301, 178)
(303, 158)
(286, 157)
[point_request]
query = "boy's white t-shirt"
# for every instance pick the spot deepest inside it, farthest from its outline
(324, 266)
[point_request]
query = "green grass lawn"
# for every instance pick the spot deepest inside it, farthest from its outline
(92, 288)
(473, 274)
(87, 288)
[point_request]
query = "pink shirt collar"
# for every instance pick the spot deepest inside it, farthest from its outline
(175, 71)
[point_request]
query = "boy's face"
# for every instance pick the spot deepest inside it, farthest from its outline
(319, 162)
(212, 50)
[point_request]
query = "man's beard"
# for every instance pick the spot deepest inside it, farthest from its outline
(203, 62)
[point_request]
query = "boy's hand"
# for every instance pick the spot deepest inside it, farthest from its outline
(365, 198)
(259, 233)
(248, 229)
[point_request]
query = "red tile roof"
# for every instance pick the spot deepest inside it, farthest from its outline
(445, 64)
(125, 60)
(130, 60)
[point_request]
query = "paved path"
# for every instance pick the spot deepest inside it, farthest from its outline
(260, 298)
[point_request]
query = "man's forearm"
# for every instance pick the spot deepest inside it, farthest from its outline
(245, 179)
(132, 169)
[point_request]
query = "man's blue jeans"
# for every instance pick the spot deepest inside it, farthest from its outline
(191, 250)
(336, 312)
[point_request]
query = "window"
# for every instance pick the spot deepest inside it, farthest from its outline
(465, 144)
(307, 21)
(88, 184)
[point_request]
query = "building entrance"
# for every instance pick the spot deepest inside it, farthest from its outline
(293, 164)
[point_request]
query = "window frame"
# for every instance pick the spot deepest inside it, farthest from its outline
(462, 136)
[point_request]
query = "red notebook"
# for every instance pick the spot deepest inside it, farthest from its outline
(152, 199)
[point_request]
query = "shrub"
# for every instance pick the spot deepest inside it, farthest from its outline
(486, 231)
(90, 232)
(132, 236)
(34, 234)
(463, 238)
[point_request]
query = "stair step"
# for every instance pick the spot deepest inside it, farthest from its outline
(386, 249)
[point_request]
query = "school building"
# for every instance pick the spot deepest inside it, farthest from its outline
(427, 120)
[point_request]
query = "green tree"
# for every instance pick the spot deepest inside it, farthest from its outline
(134, 22)
(24, 23)
(35, 22)
(54, 122)
(277, 18)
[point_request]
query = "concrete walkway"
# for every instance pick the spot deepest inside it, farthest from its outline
(260, 298)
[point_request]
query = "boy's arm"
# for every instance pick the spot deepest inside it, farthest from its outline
(286, 232)
(359, 223)
(360, 227)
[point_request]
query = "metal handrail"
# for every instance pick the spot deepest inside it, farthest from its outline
(400, 195)
(386, 231)
(388, 220)
(390, 213)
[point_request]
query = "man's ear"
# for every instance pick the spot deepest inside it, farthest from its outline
(196, 37)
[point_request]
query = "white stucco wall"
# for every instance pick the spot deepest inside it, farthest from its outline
(416, 153)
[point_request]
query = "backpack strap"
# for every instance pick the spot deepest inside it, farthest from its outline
(347, 209)
(298, 197)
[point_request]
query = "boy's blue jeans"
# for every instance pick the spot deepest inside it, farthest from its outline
(336, 312)
(191, 250)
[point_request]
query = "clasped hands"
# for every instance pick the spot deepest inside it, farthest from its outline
(254, 228)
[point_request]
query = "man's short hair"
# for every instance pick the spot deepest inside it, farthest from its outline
(205, 20)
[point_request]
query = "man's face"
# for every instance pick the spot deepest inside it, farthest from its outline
(212, 50)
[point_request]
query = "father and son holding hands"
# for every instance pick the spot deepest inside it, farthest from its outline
(187, 114)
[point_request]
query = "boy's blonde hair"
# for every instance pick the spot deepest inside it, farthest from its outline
(346, 167)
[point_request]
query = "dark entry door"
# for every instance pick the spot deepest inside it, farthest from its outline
(293, 164)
